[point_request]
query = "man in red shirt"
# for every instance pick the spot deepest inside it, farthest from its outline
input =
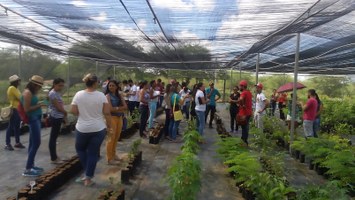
(245, 108)
(309, 113)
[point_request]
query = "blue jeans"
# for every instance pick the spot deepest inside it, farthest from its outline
(152, 111)
(186, 110)
(173, 128)
(245, 130)
(200, 122)
(34, 141)
(167, 121)
(144, 114)
(316, 126)
(131, 106)
(87, 146)
(14, 127)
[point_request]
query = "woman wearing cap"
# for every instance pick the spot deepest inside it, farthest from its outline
(13, 95)
(33, 110)
(94, 116)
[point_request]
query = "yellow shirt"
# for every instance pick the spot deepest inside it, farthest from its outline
(13, 95)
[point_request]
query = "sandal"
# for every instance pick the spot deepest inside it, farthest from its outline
(80, 180)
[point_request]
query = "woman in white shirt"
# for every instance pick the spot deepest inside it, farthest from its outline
(93, 111)
(186, 106)
(200, 108)
(153, 102)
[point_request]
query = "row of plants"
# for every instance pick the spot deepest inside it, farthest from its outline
(329, 155)
(134, 160)
(183, 175)
(114, 192)
(47, 183)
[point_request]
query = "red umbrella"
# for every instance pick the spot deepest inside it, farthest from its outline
(288, 87)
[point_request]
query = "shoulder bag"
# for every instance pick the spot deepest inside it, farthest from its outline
(177, 114)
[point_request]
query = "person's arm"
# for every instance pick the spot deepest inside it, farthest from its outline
(209, 93)
(305, 107)
(266, 105)
(74, 106)
(182, 100)
(218, 94)
(141, 97)
(16, 94)
(58, 106)
(107, 115)
(27, 96)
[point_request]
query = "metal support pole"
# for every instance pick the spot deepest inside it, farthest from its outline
(230, 87)
(294, 97)
(114, 72)
(224, 90)
(20, 61)
(257, 69)
(97, 68)
(68, 81)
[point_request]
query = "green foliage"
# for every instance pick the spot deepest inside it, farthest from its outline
(229, 147)
(184, 177)
(331, 86)
(133, 118)
(274, 163)
(135, 147)
(244, 165)
(330, 191)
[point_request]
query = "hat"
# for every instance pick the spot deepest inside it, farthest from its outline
(259, 85)
(38, 80)
(243, 83)
(14, 78)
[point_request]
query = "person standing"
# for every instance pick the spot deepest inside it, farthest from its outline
(176, 102)
(104, 84)
(211, 93)
(94, 120)
(297, 113)
(13, 95)
(186, 105)
(167, 106)
(159, 87)
(316, 123)
(117, 106)
(153, 102)
(200, 108)
(261, 105)
(33, 109)
(273, 101)
(234, 108)
(245, 102)
(282, 99)
(309, 113)
(126, 88)
(56, 118)
(144, 98)
(132, 94)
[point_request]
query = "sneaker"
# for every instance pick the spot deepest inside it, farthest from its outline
(19, 145)
(38, 169)
(31, 173)
(9, 147)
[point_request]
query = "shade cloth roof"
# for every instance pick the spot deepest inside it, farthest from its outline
(233, 31)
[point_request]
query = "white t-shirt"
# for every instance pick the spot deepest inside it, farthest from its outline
(260, 103)
(199, 107)
(131, 90)
(125, 88)
(182, 94)
(90, 105)
(137, 94)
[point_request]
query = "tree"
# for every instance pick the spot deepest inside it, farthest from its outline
(331, 86)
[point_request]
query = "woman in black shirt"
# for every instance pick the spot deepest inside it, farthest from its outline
(233, 108)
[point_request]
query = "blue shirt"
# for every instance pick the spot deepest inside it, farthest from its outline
(116, 102)
(35, 114)
(176, 101)
(213, 96)
(53, 95)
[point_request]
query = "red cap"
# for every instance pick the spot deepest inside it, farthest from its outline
(259, 85)
(243, 83)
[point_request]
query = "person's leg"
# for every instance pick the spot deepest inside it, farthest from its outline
(175, 129)
(232, 118)
(117, 134)
(316, 126)
(131, 105)
(111, 139)
(35, 137)
(16, 127)
(93, 147)
(245, 130)
(143, 119)
(151, 114)
(56, 124)
(13, 122)
(171, 126)
(167, 121)
(308, 128)
(81, 143)
(187, 110)
(213, 111)
(201, 119)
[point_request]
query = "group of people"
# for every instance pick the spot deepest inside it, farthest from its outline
(311, 109)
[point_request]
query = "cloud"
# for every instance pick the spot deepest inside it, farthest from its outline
(101, 17)
(180, 5)
(79, 3)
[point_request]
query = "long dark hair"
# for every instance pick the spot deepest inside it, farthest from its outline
(56, 81)
(32, 87)
(117, 90)
(317, 98)
(167, 88)
(15, 83)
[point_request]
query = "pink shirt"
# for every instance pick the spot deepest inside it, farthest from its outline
(311, 112)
